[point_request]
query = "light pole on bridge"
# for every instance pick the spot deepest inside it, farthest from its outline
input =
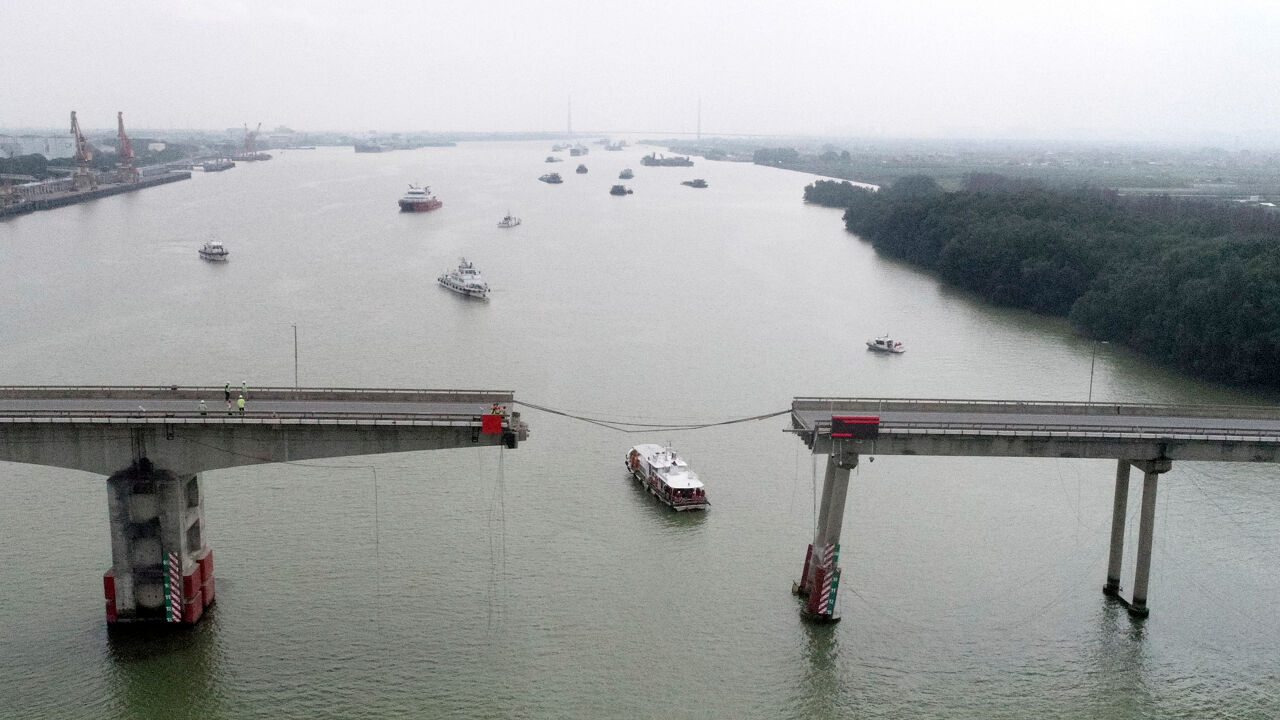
(1092, 359)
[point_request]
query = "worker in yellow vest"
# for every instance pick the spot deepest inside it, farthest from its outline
(240, 404)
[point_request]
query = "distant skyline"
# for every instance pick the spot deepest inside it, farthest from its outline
(1121, 70)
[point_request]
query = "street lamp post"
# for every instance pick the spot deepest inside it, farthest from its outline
(1092, 359)
(295, 359)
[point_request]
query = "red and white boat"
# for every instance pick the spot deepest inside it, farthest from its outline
(419, 199)
(667, 477)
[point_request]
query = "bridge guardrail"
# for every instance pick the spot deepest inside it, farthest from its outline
(151, 416)
(1074, 430)
(195, 392)
(1065, 407)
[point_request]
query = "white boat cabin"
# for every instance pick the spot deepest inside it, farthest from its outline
(667, 476)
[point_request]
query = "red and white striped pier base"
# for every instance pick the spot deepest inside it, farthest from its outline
(820, 580)
(161, 569)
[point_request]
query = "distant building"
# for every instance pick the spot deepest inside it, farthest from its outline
(57, 146)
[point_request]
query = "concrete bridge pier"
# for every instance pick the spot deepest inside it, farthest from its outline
(820, 579)
(1119, 508)
(161, 567)
(1152, 469)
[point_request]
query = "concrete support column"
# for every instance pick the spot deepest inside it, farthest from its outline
(1151, 469)
(820, 577)
(1118, 512)
(1146, 532)
(161, 567)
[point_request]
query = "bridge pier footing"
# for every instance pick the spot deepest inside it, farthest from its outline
(820, 580)
(161, 567)
(1151, 469)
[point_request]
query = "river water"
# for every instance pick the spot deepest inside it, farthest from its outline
(541, 582)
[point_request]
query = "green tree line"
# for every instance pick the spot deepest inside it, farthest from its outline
(1192, 284)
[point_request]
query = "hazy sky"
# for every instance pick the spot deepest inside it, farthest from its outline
(1112, 69)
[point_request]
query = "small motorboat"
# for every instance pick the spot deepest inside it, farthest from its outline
(884, 343)
(619, 190)
(214, 251)
(552, 178)
(696, 183)
(626, 174)
(582, 169)
(509, 221)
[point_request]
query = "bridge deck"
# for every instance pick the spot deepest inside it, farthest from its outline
(1045, 429)
(181, 404)
(104, 429)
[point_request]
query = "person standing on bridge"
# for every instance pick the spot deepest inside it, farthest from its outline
(240, 404)
(204, 409)
(244, 388)
(226, 394)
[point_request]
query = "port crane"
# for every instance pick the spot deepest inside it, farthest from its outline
(250, 139)
(127, 172)
(83, 178)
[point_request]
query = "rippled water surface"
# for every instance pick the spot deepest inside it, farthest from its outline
(540, 582)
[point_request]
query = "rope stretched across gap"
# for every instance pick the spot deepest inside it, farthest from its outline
(634, 427)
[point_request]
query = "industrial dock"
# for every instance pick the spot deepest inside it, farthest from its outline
(85, 183)
(31, 198)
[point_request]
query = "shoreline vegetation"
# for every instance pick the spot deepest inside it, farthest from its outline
(1193, 284)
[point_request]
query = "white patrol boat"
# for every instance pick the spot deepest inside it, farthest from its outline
(465, 280)
(214, 251)
(667, 477)
(884, 343)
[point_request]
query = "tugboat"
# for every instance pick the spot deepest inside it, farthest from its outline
(696, 183)
(667, 477)
(465, 280)
(419, 199)
(884, 343)
(582, 170)
(213, 251)
(553, 158)
(553, 178)
(626, 174)
(619, 190)
(509, 221)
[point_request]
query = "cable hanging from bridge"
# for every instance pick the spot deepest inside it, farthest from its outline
(635, 427)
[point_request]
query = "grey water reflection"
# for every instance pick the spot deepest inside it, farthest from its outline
(165, 671)
(1119, 682)
(822, 689)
